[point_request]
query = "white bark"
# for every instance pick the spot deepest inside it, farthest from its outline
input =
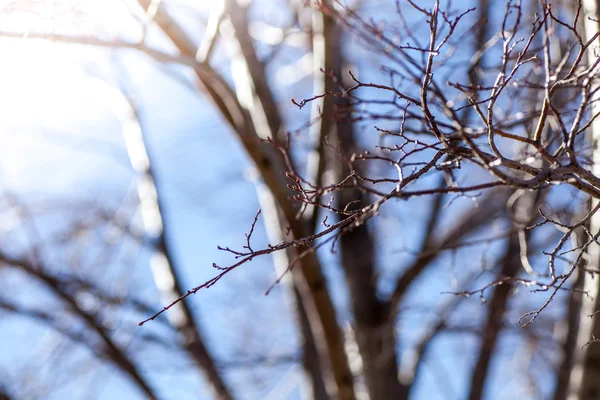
(164, 272)
(585, 376)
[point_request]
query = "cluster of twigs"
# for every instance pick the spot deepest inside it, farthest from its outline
(522, 125)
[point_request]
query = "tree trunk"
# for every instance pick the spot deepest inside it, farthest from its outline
(311, 361)
(585, 375)
(249, 112)
(165, 270)
(373, 329)
(497, 307)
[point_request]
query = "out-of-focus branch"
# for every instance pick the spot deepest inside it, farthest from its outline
(51, 321)
(166, 273)
(270, 165)
(583, 382)
(326, 59)
(103, 43)
(570, 350)
(424, 344)
(211, 34)
(253, 90)
(266, 158)
(479, 48)
(4, 395)
(373, 331)
(315, 367)
(469, 223)
(113, 351)
(522, 206)
(496, 309)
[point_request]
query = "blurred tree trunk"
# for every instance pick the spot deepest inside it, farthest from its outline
(373, 329)
(315, 388)
(585, 375)
(163, 264)
(495, 320)
(570, 348)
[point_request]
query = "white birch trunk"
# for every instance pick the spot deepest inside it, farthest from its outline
(585, 376)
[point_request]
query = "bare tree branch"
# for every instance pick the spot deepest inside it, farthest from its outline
(115, 353)
(166, 272)
(268, 162)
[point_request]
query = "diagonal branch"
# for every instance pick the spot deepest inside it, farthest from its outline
(469, 223)
(255, 95)
(569, 346)
(116, 354)
(313, 364)
(270, 163)
(164, 267)
(428, 338)
(325, 61)
(497, 308)
(4, 395)
(583, 382)
(375, 335)
(523, 205)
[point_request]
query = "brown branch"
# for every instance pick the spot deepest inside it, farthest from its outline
(569, 345)
(468, 223)
(326, 57)
(165, 264)
(268, 162)
(496, 310)
(116, 354)
(375, 335)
